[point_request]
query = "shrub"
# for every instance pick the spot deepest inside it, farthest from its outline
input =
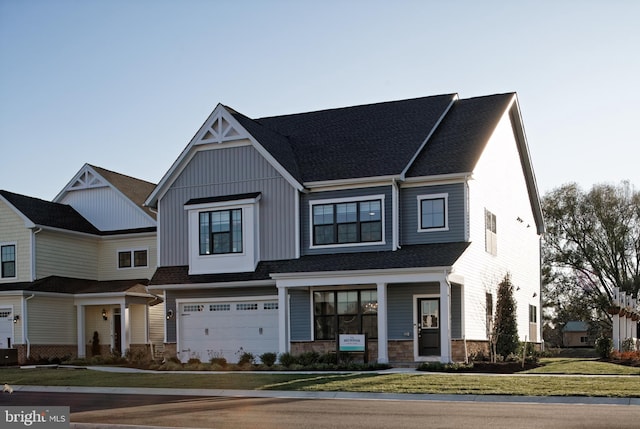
(628, 345)
(308, 358)
(287, 359)
(268, 358)
(245, 358)
(219, 361)
(604, 345)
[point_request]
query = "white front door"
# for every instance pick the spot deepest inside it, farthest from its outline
(6, 328)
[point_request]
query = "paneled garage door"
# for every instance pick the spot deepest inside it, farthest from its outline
(227, 329)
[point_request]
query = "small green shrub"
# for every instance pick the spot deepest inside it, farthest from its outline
(246, 358)
(219, 361)
(287, 359)
(628, 345)
(269, 359)
(604, 346)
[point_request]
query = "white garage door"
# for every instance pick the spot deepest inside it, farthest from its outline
(227, 329)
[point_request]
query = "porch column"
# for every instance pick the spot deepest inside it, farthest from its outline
(283, 320)
(615, 323)
(82, 348)
(383, 346)
(125, 326)
(445, 321)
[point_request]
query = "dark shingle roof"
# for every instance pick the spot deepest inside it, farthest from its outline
(428, 255)
(46, 213)
(56, 284)
(351, 142)
(459, 141)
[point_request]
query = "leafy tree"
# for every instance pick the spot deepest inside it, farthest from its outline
(591, 246)
(505, 327)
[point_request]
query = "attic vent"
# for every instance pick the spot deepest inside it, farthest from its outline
(220, 130)
(87, 180)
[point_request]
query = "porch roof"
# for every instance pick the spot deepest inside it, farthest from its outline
(72, 286)
(416, 256)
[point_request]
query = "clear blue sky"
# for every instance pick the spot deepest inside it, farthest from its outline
(125, 84)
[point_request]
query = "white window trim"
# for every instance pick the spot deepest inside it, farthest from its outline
(131, 250)
(225, 262)
(347, 200)
(446, 212)
(15, 245)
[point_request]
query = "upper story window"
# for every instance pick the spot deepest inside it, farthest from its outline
(133, 258)
(224, 235)
(491, 232)
(8, 261)
(347, 222)
(221, 232)
(433, 212)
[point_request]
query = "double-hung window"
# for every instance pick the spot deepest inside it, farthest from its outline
(221, 232)
(347, 222)
(491, 232)
(8, 261)
(132, 258)
(433, 212)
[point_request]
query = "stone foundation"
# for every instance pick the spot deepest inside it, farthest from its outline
(46, 352)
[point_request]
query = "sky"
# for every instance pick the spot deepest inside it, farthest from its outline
(125, 85)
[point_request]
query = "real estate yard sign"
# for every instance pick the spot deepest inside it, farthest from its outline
(352, 343)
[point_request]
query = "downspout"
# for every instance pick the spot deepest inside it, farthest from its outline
(24, 324)
(395, 215)
(33, 252)
(446, 279)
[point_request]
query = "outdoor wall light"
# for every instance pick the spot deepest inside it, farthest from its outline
(104, 314)
(169, 314)
(535, 294)
(16, 318)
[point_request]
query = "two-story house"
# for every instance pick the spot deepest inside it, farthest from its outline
(79, 265)
(396, 220)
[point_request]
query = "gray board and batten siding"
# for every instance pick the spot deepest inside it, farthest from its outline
(229, 171)
(400, 311)
(410, 213)
(306, 199)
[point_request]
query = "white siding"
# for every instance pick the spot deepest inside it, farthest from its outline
(12, 230)
(499, 185)
(156, 324)
(107, 210)
(138, 324)
(66, 255)
(52, 320)
(108, 258)
(94, 322)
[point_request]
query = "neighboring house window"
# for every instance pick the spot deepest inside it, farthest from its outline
(221, 232)
(533, 314)
(8, 261)
(345, 312)
(584, 340)
(491, 232)
(347, 222)
(433, 212)
(132, 258)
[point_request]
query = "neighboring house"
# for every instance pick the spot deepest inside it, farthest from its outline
(396, 220)
(576, 334)
(79, 265)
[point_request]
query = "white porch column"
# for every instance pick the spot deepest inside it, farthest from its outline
(82, 349)
(283, 320)
(383, 346)
(616, 331)
(445, 321)
(125, 328)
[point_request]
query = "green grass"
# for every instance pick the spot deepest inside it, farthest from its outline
(535, 383)
(582, 366)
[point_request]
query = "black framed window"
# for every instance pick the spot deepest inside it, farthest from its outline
(432, 213)
(135, 258)
(221, 232)
(345, 312)
(8, 261)
(348, 222)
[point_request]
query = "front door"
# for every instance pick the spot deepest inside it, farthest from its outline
(117, 331)
(428, 326)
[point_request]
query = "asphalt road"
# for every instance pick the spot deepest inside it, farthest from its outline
(267, 413)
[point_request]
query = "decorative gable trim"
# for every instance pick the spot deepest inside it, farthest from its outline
(219, 128)
(86, 179)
